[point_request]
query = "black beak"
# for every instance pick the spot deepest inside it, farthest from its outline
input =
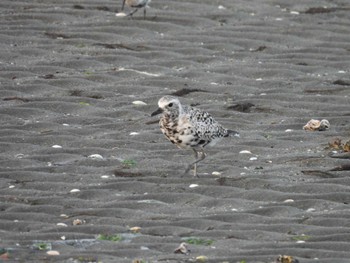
(158, 111)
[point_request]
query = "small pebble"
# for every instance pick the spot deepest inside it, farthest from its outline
(301, 241)
(288, 201)
(104, 176)
(134, 133)
(216, 173)
(64, 215)
(311, 210)
(288, 130)
(63, 237)
(253, 158)
(11, 186)
(294, 12)
(193, 185)
(221, 7)
(74, 190)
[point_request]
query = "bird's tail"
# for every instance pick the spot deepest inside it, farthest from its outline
(232, 133)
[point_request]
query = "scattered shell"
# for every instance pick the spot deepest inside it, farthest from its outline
(316, 125)
(286, 259)
(74, 190)
(139, 102)
(245, 152)
(63, 237)
(144, 248)
(19, 156)
(216, 173)
(259, 79)
(104, 176)
(300, 241)
(294, 12)
(64, 215)
(65, 124)
(346, 147)
(288, 201)
(234, 209)
(221, 7)
(134, 133)
(96, 156)
(338, 145)
(56, 146)
(182, 249)
(311, 210)
(61, 224)
(201, 259)
(53, 253)
(11, 186)
(288, 130)
(121, 14)
(135, 229)
(77, 222)
(193, 185)
(253, 158)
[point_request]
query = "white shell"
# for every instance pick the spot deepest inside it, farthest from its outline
(56, 146)
(53, 253)
(96, 156)
(139, 102)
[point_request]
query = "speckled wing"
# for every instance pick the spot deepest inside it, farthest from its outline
(206, 129)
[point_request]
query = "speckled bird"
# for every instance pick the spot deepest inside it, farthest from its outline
(136, 4)
(189, 128)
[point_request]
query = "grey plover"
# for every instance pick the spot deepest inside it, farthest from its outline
(136, 4)
(189, 128)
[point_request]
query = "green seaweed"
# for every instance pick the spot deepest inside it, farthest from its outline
(198, 241)
(114, 238)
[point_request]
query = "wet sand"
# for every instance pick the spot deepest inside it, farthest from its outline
(69, 74)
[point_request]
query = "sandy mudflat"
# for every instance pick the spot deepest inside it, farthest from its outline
(69, 74)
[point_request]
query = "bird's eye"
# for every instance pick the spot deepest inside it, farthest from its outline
(170, 105)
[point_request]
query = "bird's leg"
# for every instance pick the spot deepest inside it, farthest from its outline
(194, 164)
(132, 12)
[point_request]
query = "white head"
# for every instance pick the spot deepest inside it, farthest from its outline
(168, 104)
